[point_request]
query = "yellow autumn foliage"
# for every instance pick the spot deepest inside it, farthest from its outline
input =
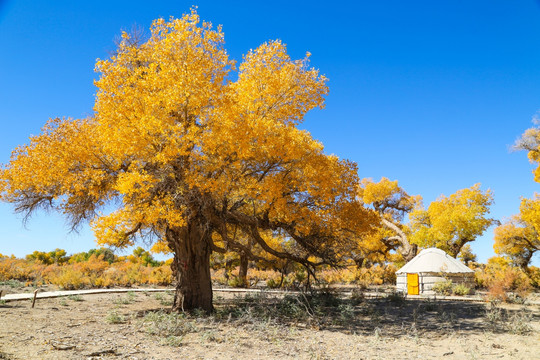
(452, 221)
(184, 144)
(518, 237)
(392, 203)
(168, 120)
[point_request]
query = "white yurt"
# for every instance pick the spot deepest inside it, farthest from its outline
(431, 266)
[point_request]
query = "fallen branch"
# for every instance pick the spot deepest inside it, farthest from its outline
(62, 346)
(102, 352)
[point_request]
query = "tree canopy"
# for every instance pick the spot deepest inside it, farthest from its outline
(451, 222)
(518, 237)
(185, 146)
(392, 203)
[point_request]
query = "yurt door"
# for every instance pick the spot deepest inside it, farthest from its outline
(412, 284)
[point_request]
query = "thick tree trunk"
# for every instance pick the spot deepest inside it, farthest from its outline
(456, 247)
(359, 261)
(408, 250)
(242, 271)
(191, 267)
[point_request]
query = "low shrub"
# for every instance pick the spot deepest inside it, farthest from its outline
(443, 287)
(460, 289)
(115, 318)
(70, 279)
(237, 282)
(517, 322)
(397, 298)
(165, 324)
(505, 282)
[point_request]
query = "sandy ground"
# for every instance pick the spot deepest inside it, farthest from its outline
(117, 326)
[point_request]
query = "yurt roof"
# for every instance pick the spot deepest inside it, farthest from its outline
(434, 260)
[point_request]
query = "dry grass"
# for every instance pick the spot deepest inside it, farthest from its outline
(269, 326)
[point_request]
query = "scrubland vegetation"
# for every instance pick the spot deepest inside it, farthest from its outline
(100, 268)
(93, 269)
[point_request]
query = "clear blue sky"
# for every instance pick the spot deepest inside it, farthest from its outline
(431, 93)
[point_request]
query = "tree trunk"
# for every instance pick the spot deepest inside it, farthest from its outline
(456, 247)
(242, 271)
(359, 261)
(191, 267)
(228, 265)
(408, 250)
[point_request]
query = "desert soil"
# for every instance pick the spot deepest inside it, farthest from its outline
(116, 326)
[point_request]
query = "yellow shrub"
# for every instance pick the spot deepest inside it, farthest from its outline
(534, 275)
(70, 279)
(501, 278)
(375, 275)
(161, 275)
(218, 276)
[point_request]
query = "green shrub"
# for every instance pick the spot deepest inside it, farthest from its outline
(520, 322)
(443, 287)
(75, 297)
(272, 283)
(164, 299)
(12, 283)
(115, 318)
(460, 289)
(168, 325)
(128, 299)
(237, 282)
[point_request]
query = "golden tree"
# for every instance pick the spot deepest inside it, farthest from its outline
(451, 222)
(467, 256)
(530, 142)
(392, 203)
(183, 152)
(519, 236)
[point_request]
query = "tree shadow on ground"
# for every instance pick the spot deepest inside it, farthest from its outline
(271, 316)
(13, 305)
(393, 316)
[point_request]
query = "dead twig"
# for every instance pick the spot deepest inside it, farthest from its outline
(62, 346)
(34, 299)
(102, 352)
(309, 310)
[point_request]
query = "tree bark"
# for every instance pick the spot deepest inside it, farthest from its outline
(243, 269)
(191, 267)
(455, 248)
(359, 261)
(408, 250)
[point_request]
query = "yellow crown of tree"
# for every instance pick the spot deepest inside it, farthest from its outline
(185, 154)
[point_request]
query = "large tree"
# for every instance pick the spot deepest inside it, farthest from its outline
(519, 236)
(530, 142)
(451, 222)
(179, 150)
(392, 203)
